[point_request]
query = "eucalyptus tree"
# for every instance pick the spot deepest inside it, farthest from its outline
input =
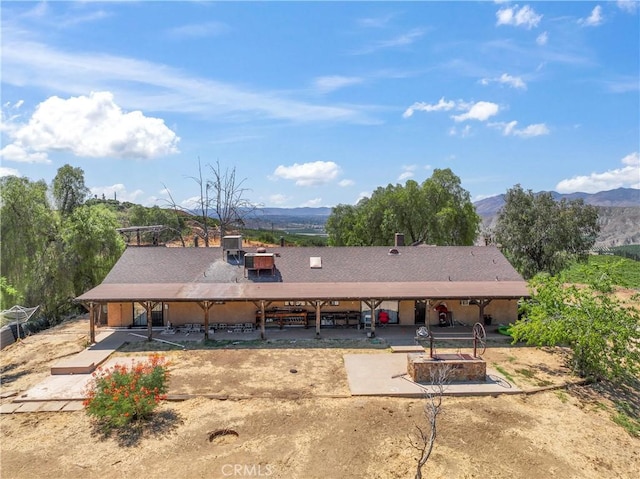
(438, 211)
(538, 234)
(69, 190)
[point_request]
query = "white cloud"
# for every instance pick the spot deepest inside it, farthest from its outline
(312, 203)
(8, 172)
(515, 16)
(278, 199)
(327, 84)
(346, 183)
(629, 6)
(481, 111)
(149, 86)
(463, 132)
(399, 41)
(509, 129)
(117, 191)
(628, 176)
(309, 174)
(594, 19)
(405, 175)
(93, 126)
(506, 79)
(199, 30)
(442, 105)
(543, 38)
(17, 153)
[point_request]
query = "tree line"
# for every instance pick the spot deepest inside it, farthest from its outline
(56, 242)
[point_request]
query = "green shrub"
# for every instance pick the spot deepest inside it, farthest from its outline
(119, 395)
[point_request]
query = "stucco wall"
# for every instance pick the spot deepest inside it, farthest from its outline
(120, 315)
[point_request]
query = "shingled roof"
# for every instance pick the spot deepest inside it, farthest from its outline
(190, 274)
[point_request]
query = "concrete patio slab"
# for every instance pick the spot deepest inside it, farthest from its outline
(30, 406)
(72, 406)
(56, 388)
(52, 406)
(9, 408)
(385, 374)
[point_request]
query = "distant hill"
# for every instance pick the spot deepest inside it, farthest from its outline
(620, 197)
(619, 213)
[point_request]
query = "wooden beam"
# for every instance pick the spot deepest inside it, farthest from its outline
(263, 320)
(206, 306)
(92, 323)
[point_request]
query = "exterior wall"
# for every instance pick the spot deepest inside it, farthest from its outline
(120, 315)
(406, 313)
(180, 313)
(502, 311)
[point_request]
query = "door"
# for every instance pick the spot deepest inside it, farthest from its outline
(140, 315)
(421, 312)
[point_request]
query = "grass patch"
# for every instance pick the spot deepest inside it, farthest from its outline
(626, 418)
(527, 373)
(544, 382)
(502, 371)
(563, 396)
(627, 423)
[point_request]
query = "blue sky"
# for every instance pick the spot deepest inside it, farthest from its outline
(319, 103)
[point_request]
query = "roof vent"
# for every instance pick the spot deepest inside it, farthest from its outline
(315, 262)
(262, 249)
(394, 251)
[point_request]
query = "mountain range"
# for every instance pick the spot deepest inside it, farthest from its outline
(619, 215)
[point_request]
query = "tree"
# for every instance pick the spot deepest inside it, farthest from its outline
(28, 229)
(438, 211)
(91, 246)
(538, 234)
(602, 333)
(69, 190)
(221, 196)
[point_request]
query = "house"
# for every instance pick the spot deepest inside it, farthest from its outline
(305, 286)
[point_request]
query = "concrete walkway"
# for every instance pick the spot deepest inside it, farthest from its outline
(386, 375)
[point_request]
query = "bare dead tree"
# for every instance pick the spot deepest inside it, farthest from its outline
(221, 196)
(424, 438)
(229, 203)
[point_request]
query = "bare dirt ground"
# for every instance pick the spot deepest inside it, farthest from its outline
(306, 424)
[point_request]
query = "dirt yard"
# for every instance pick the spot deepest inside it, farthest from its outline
(305, 424)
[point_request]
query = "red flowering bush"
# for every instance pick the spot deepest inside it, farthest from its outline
(120, 395)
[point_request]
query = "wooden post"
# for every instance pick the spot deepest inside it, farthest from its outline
(318, 317)
(481, 305)
(373, 317)
(92, 323)
(148, 306)
(263, 320)
(206, 306)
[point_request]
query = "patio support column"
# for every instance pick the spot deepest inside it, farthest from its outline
(373, 304)
(206, 306)
(481, 305)
(92, 323)
(318, 305)
(148, 305)
(263, 320)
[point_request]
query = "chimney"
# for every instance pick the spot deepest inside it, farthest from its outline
(399, 239)
(282, 241)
